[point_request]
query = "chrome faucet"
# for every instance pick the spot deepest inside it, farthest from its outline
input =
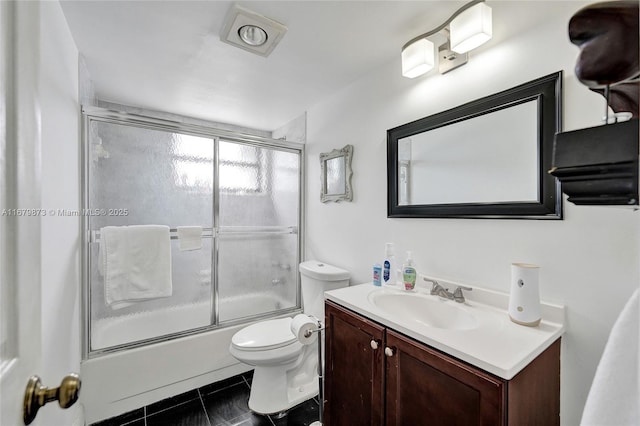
(438, 290)
(457, 294)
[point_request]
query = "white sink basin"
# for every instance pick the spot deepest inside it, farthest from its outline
(431, 311)
(478, 331)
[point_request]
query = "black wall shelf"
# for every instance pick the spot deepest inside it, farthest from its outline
(599, 165)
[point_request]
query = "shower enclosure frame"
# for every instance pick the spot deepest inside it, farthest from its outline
(91, 113)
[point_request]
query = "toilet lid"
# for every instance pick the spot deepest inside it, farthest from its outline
(264, 335)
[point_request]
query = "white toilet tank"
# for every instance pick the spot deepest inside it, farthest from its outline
(316, 278)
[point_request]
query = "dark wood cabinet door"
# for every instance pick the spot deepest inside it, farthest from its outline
(426, 387)
(354, 383)
(534, 393)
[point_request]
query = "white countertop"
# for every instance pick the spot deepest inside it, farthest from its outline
(497, 345)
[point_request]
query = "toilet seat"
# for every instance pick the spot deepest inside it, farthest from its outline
(264, 336)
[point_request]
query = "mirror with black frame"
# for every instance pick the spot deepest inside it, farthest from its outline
(485, 159)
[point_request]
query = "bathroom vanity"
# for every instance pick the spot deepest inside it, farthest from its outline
(381, 369)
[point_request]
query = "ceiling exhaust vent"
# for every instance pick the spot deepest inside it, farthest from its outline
(251, 31)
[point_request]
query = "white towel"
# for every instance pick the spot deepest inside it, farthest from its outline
(136, 263)
(189, 237)
(614, 397)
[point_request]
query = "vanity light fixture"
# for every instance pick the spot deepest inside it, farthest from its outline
(469, 27)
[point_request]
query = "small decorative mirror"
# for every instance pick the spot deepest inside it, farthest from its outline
(335, 168)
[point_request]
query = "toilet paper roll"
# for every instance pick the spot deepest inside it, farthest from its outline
(300, 325)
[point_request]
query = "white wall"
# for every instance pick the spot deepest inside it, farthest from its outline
(589, 260)
(60, 190)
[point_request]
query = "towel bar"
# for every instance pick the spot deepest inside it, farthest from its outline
(94, 236)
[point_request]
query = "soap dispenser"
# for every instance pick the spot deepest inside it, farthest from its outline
(389, 265)
(409, 273)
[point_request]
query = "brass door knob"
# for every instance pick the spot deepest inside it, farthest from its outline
(36, 395)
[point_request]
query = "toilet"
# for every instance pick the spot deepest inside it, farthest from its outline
(286, 371)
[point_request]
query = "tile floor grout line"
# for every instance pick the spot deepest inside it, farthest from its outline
(224, 388)
(169, 408)
(246, 382)
(130, 422)
(206, 413)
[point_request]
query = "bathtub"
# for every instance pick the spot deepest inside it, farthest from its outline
(108, 332)
(114, 383)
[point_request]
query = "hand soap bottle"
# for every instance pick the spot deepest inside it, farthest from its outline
(389, 265)
(409, 273)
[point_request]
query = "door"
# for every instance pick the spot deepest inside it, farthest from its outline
(425, 387)
(258, 246)
(354, 382)
(20, 197)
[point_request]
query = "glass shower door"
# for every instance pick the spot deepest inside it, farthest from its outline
(141, 176)
(245, 194)
(258, 240)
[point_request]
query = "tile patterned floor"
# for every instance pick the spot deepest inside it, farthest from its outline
(219, 404)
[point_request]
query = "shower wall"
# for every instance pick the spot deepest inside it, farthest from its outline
(245, 194)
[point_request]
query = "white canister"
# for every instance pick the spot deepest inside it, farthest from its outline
(524, 299)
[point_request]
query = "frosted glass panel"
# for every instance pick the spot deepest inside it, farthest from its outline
(241, 169)
(258, 242)
(142, 176)
(257, 274)
(258, 186)
(189, 306)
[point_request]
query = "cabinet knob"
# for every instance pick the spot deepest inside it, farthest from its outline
(389, 351)
(374, 344)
